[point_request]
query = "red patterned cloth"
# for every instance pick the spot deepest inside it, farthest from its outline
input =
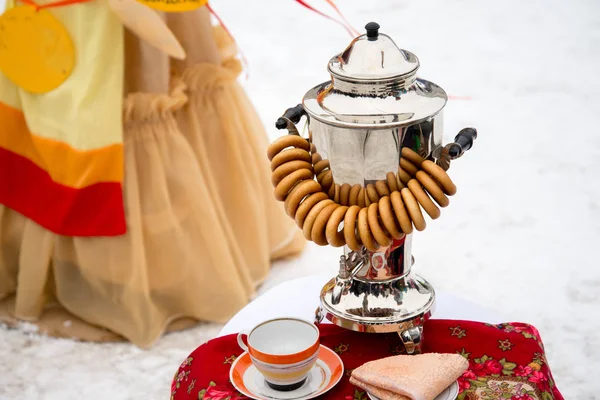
(506, 361)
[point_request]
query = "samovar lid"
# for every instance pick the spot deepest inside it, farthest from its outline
(374, 85)
(373, 56)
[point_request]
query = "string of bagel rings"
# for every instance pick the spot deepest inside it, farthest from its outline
(372, 216)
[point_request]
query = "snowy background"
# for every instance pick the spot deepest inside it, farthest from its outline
(521, 235)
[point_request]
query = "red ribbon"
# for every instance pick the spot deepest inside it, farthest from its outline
(213, 12)
(55, 4)
(337, 10)
(344, 23)
(353, 32)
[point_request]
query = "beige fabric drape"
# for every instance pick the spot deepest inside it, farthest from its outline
(203, 226)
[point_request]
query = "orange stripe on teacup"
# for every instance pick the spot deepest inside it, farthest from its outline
(284, 358)
(285, 376)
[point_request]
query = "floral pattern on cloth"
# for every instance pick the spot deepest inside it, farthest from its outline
(224, 392)
(506, 361)
(509, 363)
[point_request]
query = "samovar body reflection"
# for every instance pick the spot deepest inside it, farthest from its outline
(359, 122)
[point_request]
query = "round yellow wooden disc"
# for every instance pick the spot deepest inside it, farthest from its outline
(174, 5)
(36, 51)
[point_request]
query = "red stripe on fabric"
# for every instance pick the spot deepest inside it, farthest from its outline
(95, 210)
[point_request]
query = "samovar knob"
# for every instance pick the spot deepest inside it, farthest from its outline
(372, 29)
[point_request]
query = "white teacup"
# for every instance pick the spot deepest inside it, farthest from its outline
(283, 350)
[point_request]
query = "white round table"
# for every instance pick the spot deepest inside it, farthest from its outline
(299, 298)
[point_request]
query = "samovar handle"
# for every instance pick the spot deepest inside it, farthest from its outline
(290, 117)
(462, 142)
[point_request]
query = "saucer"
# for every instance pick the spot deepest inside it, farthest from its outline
(449, 394)
(326, 373)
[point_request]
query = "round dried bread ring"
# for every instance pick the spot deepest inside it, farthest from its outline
(376, 230)
(433, 189)
(382, 188)
(440, 177)
(388, 218)
(345, 194)
(287, 141)
(306, 206)
(350, 229)
(423, 199)
(295, 197)
(288, 183)
(412, 206)
(321, 166)
(372, 193)
(326, 180)
(391, 182)
(334, 236)
(403, 177)
(323, 174)
(317, 232)
(412, 156)
(353, 197)
(331, 191)
(312, 217)
(392, 207)
(336, 193)
(289, 155)
(399, 183)
(360, 199)
(285, 169)
(401, 214)
(316, 157)
(364, 232)
(409, 167)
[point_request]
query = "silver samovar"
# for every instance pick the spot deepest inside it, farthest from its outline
(360, 120)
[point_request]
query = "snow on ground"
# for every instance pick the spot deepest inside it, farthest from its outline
(519, 237)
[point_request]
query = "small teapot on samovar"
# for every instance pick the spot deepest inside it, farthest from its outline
(372, 167)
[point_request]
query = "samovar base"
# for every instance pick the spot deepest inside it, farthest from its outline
(399, 305)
